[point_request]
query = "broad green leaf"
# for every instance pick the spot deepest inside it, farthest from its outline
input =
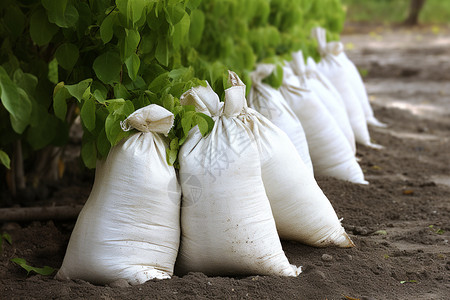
(46, 270)
(87, 114)
(4, 159)
(89, 154)
(26, 81)
(171, 155)
(205, 123)
(99, 91)
(44, 132)
(174, 144)
(14, 20)
(193, 4)
(181, 32)
(78, 90)
(41, 30)
(107, 27)
(186, 121)
(53, 71)
(103, 145)
(120, 91)
(60, 104)
(168, 102)
(114, 132)
(133, 62)
(67, 55)
(16, 102)
(175, 13)
(162, 51)
(131, 9)
(129, 43)
(159, 82)
(107, 67)
(197, 26)
(202, 125)
(61, 12)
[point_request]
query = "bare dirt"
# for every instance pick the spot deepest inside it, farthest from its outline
(399, 223)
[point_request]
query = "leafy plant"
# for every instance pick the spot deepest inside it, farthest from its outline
(46, 270)
(100, 60)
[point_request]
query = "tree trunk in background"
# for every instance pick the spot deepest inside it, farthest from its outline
(415, 7)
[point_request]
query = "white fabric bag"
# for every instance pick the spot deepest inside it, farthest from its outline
(335, 105)
(301, 210)
(129, 228)
(333, 66)
(226, 219)
(270, 103)
(331, 154)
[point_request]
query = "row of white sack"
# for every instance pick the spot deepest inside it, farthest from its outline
(323, 108)
(243, 186)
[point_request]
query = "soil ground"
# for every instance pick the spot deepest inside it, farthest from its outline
(399, 223)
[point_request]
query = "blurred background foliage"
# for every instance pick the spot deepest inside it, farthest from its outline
(433, 12)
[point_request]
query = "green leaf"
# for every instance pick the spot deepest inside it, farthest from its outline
(78, 90)
(181, 32)
(107, 27)
(14, 20)
(103, 145)
(186, 121)
(100, 92)
(26, 81)
(46, 270)
(168, 102)
(107, 67)
(16, 103)
(202, 125)
(205, 123)
(41, 30)
(162, 51)
(89, 154)
(159, 82)
(59, 103)
(114, 132)
(87, 114)
(120, 91)
(4, 159)
(196, 27)
(61, 13)
(67, 55)
(53, 71)
(171, 155)
(133, 62)
(175, 13)
(129, 43)
(44, 132)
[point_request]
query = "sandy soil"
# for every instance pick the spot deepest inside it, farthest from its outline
(398, 254)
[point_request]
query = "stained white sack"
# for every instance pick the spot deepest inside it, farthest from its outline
(129, 228)
(227, 224)
(271, 104)
(331, 154)
(301, 210)
(333, 66)
(335, 105)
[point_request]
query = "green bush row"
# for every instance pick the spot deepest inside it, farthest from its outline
(103, 59)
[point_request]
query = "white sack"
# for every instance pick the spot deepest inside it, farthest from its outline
(335, 105)
(333, 67)
(301, 210)
(330, 152)
(271, 104)
(129, 228)
(227, 224)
